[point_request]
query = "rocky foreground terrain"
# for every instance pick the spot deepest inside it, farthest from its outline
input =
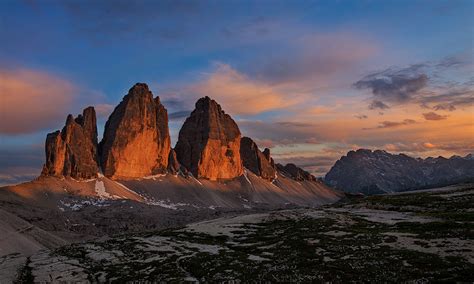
(375, 172)
(418, 236)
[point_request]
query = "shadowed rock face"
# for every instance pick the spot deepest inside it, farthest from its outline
(136, 139)
(209, 143)
(173, 164)
(295, 172)
(375, 172)
(73, 151)
(254, 160)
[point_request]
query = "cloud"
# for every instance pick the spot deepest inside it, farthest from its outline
(375, 104)
(103, 110)
(392, 124)
(280, 133)
(179, 114)
(256, 26)
(393, 86)
(434, 116)
(450, 99)
(122, 20)
(314, 56)
(241, 95)
(408, 147)
(448, 107)
(32, 100)
(20, 163)
(417, 148)
(12, 179)
(438, 85)
(429, 145)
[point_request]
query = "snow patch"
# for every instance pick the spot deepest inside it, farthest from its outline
(247, 177)
(100, 190)
(153, 177)
(76, 205)
(165, 203)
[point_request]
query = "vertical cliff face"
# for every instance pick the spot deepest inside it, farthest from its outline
(254, 160)
(73, 151)
(209, 143)
(136, 140)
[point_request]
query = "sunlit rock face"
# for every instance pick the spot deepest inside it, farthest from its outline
(136, 140)
(73, 150)
(209, 143)
(295, 172)
(255, 161)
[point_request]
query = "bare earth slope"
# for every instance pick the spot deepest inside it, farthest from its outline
(65, 209)
(418, 237)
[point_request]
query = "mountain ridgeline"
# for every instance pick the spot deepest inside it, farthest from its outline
(136, 144)
(374, 172)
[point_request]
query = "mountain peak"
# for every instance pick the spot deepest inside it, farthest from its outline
(254, 160)
(364, 171)
(209, 142)
(136, 140)
(73, 150)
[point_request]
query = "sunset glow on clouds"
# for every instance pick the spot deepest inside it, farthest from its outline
(32, 100)
(311, 80)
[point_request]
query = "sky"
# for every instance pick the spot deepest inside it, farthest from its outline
(311, 80)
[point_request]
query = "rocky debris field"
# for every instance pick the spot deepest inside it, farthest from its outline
(421, 236)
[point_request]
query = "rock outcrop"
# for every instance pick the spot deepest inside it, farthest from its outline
(209, 143)
(254, 160)
(173, 164)
(136, 139)
(295, 172)
(73, 150)
(375, 172)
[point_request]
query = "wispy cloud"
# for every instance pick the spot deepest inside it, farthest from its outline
(434, 116)
(179, 114)
(392, 124)
(427, 84)
(375, 104)
(313, 58)
(361, 116)
(32, 100)
(239, 94)
(103, 22)
(393, 86)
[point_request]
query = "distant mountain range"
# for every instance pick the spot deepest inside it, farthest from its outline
(374, 172)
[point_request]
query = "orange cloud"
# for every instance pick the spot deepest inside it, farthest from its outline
(32, 100)
(241, 95)
(103, 110)
(428, 145)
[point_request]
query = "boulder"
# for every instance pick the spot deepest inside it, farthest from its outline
(136, 140)
(209, 143)
(73, 150)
